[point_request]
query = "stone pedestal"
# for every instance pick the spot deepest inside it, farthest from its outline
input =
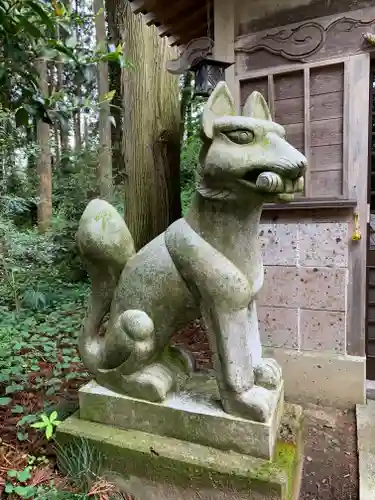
(192, 414)
(188, 447)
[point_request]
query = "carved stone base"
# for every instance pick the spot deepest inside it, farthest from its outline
(153, 467)
(193, 414)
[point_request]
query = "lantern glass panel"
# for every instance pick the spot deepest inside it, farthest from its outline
(208, 73)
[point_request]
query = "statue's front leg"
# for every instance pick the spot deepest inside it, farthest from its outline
(224, 294)
(231, 342)
(267, 372)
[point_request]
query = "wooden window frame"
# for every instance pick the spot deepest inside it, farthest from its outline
(308, 202)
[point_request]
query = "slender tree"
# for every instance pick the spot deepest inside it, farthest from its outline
(60, 83)
(77, 116)
(44, 158)
(186, 107)
(105, 157)
(118, 166)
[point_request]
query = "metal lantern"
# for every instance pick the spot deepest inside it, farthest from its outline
(197, 57)
(208, 73)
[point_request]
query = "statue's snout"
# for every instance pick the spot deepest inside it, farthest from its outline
(291, 164)
(300, 168)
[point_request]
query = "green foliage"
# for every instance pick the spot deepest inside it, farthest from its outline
(34, 299)
(33, 265)
(84, 466)
(17, 483)
(81, 463)
(32, 30)
(189, 168)
(25, 27)
(26, 267)
(189, 160)
(21, 211)
(28, 342)
(69, 204)
(78, 169)
(191, 109)
(48, 423)
(12, 139)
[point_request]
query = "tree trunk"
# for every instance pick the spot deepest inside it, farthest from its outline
(64, 132)
(57, 143)
(118, 165)
(186, 108)
(77, 117)
(151, 140)
(54, 83)
(31, 139)
(77, 132)
(105, 155)
(44, 160)
(86, 132)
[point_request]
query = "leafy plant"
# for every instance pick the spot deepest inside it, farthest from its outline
(189, 168)
(31, 31)
(11, 283)
(27, 343)
(34, 299)
(17, 483)
(48, 424)
(34, 481)
(36, 461)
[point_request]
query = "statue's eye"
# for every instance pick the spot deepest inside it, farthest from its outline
(241, 136)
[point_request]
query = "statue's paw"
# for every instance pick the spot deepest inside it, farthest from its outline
(268, 374)
(151, 383)
(254, 404)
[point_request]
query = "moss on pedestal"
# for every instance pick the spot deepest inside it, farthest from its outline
(163, 460)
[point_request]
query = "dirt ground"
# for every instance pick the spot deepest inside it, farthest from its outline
(331, 461)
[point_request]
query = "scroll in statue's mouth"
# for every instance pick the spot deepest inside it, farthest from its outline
(272, 182)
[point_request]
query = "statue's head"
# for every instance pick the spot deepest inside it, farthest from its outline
(247, 156)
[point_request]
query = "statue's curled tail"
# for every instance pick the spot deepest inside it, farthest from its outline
(105, 244)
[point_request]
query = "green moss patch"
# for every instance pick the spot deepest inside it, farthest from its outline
(166, 460)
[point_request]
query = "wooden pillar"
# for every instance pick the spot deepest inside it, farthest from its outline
(224, 33)
(356, 108)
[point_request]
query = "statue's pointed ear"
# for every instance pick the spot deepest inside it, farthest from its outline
(220, 103)
(256, 107)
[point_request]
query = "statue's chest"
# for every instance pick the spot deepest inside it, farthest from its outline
(249, 262)
(210, 274)
(243, 250)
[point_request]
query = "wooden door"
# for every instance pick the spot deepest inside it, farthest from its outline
(370, 343)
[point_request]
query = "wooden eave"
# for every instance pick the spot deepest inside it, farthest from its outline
(179, 20)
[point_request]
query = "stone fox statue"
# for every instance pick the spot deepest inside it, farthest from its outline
(207, 263)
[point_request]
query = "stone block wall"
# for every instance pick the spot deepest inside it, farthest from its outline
(303, 303)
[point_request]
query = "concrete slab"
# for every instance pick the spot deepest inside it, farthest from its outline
(152, 467)
(192, 414)
(317, 377)
(366, 450)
